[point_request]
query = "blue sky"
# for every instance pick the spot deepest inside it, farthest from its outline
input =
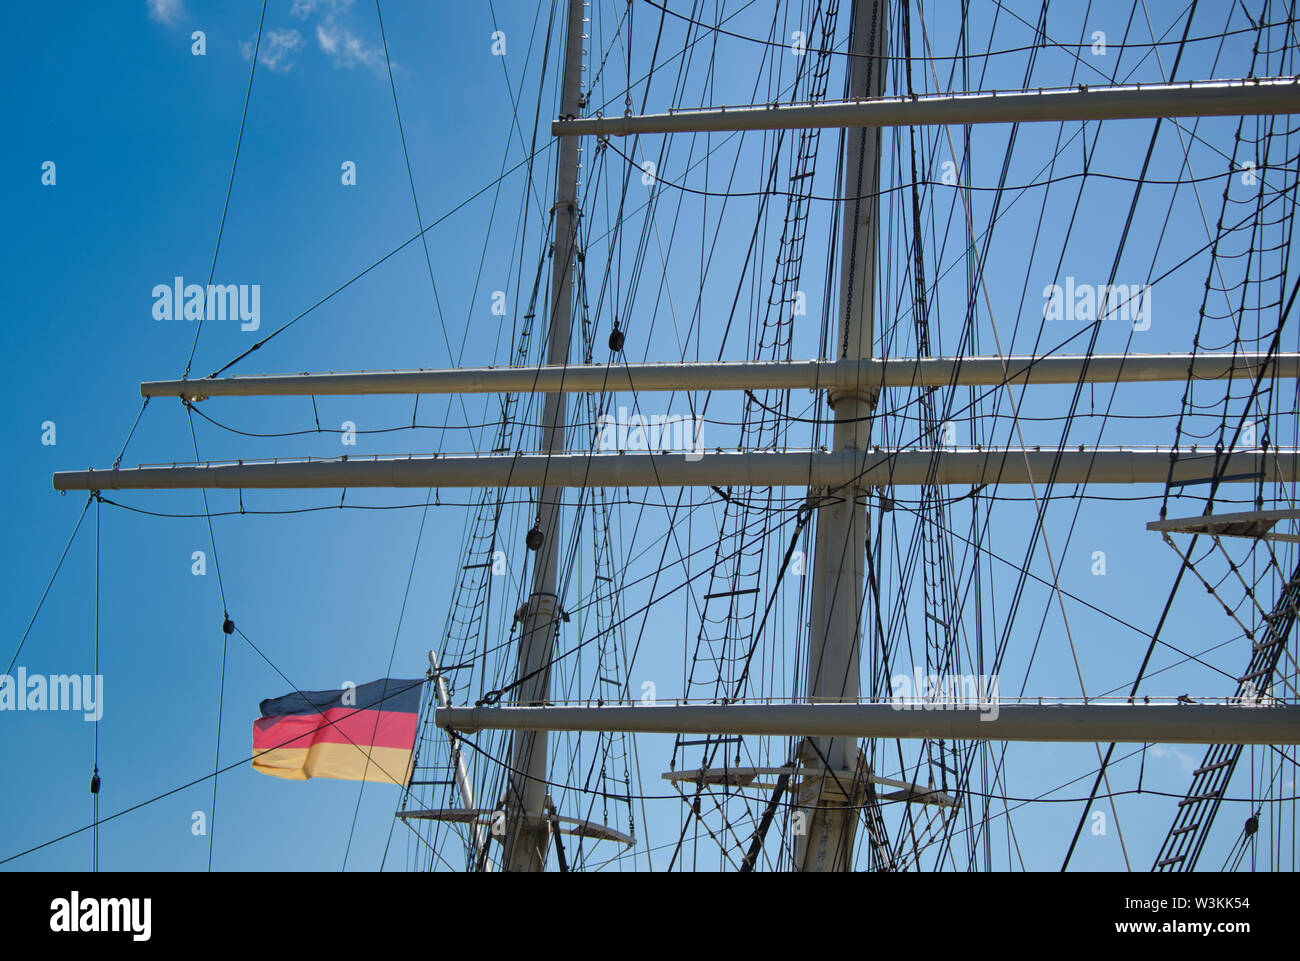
(143, 132)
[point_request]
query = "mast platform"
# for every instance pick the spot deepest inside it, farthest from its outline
(1256, 524)
(486, 816)
(749, 778)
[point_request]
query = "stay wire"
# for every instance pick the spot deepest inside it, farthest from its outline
(982, 55)
(239, 140)
(46, 593)
(199, 780)
(396, 250)
(221, 687)
(230, 184)
(94, 778)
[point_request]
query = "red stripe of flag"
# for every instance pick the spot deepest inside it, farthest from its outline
(339, 725)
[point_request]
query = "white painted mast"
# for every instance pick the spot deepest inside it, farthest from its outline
(527, 836)
(852, 381)
(839, 557)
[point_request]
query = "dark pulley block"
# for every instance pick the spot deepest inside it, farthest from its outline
(616, 339)
(534, 539)
(228, 626)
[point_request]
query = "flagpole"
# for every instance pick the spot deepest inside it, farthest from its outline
(461, 775)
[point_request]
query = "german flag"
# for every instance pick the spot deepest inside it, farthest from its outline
(363, 733)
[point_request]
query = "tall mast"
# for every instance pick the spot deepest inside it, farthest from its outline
(832, 786)
(832, 778)
(527, 834)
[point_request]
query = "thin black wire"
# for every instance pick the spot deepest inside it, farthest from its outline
(329, 722)
(230, 184)
(1184, 565)
(122, 451)
(503, 502)
(209, 515)
(982, 55)
(216, 750)
(901, 187)
(221, 688)
(225, 207)
(44, 594)
(200, 780)
(95, 784)
(425, 514)
(400, 247)
(466, 739)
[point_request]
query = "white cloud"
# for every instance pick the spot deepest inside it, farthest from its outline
(346, 47)
(275, 49)
(1185, 761)
(334, 35)
(164, 11)
(303, 9)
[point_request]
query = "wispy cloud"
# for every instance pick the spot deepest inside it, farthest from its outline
(303, 9)
(165, 11)
(1185, 760)
(347, 49)
(276, 47)
(334, 35)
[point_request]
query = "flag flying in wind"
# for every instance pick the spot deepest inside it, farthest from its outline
(362, 733)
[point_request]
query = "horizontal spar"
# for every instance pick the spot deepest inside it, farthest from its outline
(1143, 101)
(739, 469)
(1172, 724)
(733, 375)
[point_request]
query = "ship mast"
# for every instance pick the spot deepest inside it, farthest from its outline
(832, 786)
(527, 834)
(831, 775)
